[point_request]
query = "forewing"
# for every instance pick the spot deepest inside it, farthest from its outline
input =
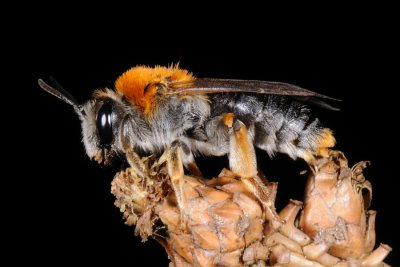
(209, 86)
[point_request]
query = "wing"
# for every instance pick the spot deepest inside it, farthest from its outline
(209, 86)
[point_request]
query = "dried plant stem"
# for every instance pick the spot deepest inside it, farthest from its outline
(226, 225)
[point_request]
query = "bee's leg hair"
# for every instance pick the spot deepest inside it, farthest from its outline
(242, 157)
(136, 163)
(177, 176)
(188, 159)
(133, 159)
(242, 161)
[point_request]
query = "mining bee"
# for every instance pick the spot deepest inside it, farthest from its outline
(152, 109)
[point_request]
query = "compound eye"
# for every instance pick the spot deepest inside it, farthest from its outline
(104, 124)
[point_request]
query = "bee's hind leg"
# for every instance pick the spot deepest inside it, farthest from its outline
(242, 157)
(242, 161)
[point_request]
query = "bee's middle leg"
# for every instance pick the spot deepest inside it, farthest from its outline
(188, 160)
(177, 176)
(242, 161)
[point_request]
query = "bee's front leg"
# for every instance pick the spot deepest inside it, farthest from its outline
(242, 161)
(132, 157)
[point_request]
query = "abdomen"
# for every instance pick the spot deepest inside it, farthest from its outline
(276, 123)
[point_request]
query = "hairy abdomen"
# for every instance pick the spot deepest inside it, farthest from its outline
(276, 123)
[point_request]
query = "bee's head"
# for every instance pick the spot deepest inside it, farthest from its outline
(103, 121)
(103, 125)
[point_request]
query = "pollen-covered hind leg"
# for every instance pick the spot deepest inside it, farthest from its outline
(242, 161)
(242, 157)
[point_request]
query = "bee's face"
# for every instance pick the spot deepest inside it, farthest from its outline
(102, 125)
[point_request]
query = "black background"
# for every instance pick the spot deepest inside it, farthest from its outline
(60, 202)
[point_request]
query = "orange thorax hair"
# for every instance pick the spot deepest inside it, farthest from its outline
(140, 84)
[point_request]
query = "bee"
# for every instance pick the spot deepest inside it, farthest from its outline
(151, 109)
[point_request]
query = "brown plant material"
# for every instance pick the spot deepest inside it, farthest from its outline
(226, 225)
